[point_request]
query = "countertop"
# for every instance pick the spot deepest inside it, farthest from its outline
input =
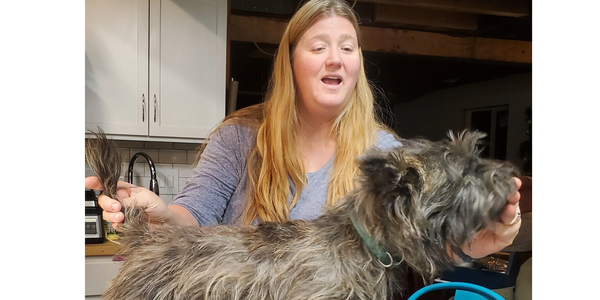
(106, 248)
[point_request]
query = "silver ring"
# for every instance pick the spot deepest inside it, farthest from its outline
(517, 219)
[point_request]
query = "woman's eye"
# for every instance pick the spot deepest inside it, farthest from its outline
(347, 49)
(317, 49)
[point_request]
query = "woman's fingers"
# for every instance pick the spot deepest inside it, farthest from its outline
(124, 190)
(526, 201)
(111, 208)
(109, 204)
(511, 211)
(93, 183)
(510, 224)
(526, 180)
(516, 197)
(112, 217)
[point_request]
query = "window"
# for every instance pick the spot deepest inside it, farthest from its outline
(494, 122)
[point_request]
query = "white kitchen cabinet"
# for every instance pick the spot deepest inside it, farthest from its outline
(99, 271)
(155, 69)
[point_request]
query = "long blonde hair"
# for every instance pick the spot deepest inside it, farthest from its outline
(275, 158)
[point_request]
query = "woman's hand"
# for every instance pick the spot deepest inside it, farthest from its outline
(501, 234)
(129, 194)
(525, 203)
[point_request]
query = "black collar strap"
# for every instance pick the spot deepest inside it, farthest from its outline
(462, 255)
(384, 257)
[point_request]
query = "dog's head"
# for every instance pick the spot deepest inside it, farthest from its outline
(421, 197)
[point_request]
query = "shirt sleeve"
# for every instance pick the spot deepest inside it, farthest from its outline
(386, 140)
(216, 177)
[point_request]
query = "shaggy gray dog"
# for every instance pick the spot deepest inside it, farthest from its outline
(410, 204)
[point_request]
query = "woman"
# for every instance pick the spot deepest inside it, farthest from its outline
(290, 156)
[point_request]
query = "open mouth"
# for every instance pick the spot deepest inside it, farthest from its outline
(331, 80)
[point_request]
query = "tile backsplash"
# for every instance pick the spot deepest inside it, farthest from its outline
(174, 164)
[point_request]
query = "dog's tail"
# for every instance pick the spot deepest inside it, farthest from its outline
(104, 160)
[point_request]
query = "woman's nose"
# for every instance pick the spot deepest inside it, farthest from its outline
(334, 59)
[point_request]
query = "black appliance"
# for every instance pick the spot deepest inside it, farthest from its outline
(94, 224)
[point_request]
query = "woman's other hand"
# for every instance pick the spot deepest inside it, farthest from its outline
(501, 234)
(129, 194)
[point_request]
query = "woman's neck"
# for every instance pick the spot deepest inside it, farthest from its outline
(314, 129)
(317, 142)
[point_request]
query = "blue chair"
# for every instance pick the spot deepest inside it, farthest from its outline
(464, 291)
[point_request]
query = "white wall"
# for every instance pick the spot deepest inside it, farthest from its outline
(433, 114)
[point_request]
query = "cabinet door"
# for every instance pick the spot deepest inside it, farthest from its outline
(116, 66)
(99, 271)
(187, 66)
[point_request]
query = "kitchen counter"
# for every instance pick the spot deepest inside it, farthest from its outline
(106, 248)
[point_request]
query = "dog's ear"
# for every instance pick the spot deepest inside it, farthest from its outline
(391, 186)
(389, 172)
(466, 142)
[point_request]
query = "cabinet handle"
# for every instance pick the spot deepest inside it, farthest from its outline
(154, 108)
(143, 107)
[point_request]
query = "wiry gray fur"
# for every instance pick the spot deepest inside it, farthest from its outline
(413, 201)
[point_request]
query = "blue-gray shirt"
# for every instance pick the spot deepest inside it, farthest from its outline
(215, 192)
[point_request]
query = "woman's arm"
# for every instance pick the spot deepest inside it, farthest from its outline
(215, 179)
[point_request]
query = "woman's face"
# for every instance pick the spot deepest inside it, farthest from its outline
(326, 63)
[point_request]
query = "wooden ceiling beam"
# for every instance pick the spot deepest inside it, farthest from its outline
(377, 39)
(505, 8)
(424, 18)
